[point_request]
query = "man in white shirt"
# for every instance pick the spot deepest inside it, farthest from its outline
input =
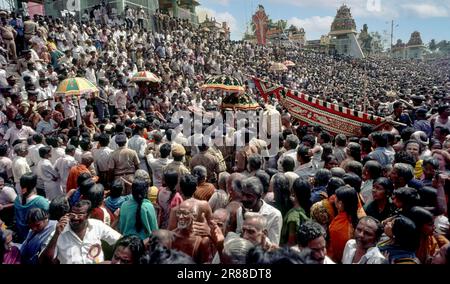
(48, 177)
(157, 165)
(19, 131)
(20, 164)
(101, 158)
(252, 190)
(64, 164)
(290, 144)
(78, 239)
(33, 151)
(363, 249)
(139, 145)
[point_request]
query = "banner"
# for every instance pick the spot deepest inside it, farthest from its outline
(311, 111)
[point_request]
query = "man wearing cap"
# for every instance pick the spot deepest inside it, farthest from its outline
(8, 34)
(123, 162)
(177, 165)
(18, 131)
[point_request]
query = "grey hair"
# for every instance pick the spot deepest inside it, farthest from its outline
(141, 174)
(223, 177)
(254, 185)
(20, 148)
(404, 170)
(199, 172)
(260, 219)
(292, 141)
(237, 249)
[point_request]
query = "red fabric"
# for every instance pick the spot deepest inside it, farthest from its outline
(308, 110)
(73, 176)
(341, 230)
(98, 213)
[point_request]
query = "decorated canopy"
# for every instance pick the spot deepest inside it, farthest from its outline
(244, 102)
(289, 63)
(145, 76)
(224, 83)
(278, 67)
(76, 86)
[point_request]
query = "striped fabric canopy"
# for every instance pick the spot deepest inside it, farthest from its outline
(308, 110)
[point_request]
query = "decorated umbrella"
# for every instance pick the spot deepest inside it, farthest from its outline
(276, 66)
(289, 63)
(235, 101)
(205, 29)
(76, 86)
(223, 83)
(145, 76)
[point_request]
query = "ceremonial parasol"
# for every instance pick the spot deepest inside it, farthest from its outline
(391, 94)
(289, 63)
(278, 67)
(76, 86)
(223, 83)
(244, 102)
(205, 29)
(145, 76)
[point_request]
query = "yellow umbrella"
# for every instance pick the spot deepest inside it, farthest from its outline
(76, 86)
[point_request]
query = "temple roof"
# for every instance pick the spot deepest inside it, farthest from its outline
(415, 39)
(343, 22)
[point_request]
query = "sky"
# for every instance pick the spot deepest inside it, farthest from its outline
(430, 17)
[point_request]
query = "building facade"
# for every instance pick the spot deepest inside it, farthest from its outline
(343, 34)
(414, 49)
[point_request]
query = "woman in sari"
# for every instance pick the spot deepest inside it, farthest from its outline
(41, 229)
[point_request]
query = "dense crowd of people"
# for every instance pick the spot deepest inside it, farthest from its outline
(110, 177)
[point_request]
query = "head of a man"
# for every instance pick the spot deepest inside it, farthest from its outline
(79, 214)
(186, 214)
(234, 186)
(312, 235)
(367, 233)
(221, 217)
(252, 191)
(254, 228)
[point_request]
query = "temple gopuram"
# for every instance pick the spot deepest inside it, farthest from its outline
(218, 30)
(343, 34)
(414, 49)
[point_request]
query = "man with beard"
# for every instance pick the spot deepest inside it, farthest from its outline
(80, 242)
(252, 190)
(184, 238)
(363, 249)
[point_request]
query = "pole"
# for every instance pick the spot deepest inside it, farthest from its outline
(392, 35)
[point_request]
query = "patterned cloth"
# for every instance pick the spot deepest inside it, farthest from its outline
(308, 110)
